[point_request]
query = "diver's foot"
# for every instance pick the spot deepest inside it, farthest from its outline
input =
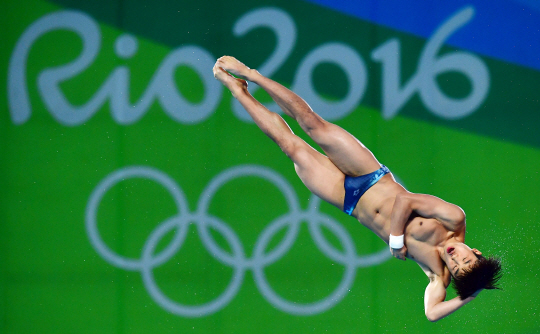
(234, 66)
(236, 86)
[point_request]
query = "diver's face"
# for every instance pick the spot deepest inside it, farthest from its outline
(460, 257)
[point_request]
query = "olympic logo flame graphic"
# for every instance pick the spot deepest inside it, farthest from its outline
(237, 260)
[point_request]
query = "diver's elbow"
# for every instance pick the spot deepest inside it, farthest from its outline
(431, 317)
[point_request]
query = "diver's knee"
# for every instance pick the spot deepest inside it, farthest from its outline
(318, 129)
(311, 122)
(294, 150)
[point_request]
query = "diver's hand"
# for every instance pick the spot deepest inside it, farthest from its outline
(400, 254)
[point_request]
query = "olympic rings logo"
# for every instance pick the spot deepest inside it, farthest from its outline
(237, 259)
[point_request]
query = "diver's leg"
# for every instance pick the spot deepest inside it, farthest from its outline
(315, 170)
(343, 149)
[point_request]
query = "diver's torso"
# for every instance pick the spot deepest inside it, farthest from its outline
(423, 236)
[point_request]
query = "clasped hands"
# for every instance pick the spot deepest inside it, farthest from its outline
(399, 253)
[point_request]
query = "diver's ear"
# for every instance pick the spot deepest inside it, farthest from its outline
(476, 251)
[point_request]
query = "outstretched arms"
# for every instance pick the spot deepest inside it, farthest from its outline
(435, 306)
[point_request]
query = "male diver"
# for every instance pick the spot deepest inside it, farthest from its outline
(420, 227)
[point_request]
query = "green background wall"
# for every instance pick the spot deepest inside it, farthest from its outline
(182, 244)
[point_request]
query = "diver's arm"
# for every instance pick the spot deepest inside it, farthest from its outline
(401, 211)
(435, 306)
(428, 206)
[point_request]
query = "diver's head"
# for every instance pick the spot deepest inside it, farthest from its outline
(459, 257)
(470, 270)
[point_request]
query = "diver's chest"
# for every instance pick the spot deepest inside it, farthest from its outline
(424, 229)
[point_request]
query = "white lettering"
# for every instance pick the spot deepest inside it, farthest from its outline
(429, 66)
(116, 87)
(338, 53)
(162, 87)
(83, 25)
(355, 70)
(282, 25)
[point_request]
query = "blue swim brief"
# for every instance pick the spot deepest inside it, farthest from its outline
(355, 187)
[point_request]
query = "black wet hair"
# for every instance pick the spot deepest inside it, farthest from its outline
(484, 274)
